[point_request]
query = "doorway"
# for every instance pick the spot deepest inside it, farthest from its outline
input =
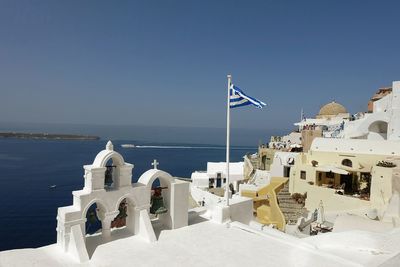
(347, 180)
(286, 171)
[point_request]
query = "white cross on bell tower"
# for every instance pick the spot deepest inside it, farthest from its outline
(155, 164)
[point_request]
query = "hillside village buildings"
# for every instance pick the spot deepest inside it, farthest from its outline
(349, 164)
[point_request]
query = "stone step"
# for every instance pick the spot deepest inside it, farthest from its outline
(288, 201)
(289, 205)
(292, 217)
(291, 220)
(285, 197)
(284, 194)
(292, 207)
(301, 209)
(294, 213)
(283, 191)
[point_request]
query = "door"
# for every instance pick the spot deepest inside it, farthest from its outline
(219, 178)
(347, 179)
(286, 171)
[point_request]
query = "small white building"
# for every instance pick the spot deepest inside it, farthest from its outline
(288, 141)
(215, 176)
(282, 163)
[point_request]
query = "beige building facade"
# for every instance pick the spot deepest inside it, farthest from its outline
(347, 175)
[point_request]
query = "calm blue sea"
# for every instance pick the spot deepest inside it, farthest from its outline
(28, 168)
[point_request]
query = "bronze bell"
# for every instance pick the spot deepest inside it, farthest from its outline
(157, 205)
(108, 179)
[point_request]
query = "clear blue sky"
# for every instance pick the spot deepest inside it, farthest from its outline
(165, 62)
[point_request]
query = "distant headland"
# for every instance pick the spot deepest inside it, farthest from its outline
(47, 136)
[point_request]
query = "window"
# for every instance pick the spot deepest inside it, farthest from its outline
(347, 162)
(303, 175)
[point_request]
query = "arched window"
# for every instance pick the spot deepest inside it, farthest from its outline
(347, 162)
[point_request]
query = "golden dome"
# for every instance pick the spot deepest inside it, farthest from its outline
(332, 109)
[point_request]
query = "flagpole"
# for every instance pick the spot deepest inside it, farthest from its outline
(228, 126)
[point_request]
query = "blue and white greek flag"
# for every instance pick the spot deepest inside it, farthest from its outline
(239, 99)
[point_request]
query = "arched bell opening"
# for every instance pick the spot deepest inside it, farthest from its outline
(93, 223)
(157, 201)
(111, 175)
(156, 181)
(120, 220)
(94, 214)
(124, 223)
(160, 196)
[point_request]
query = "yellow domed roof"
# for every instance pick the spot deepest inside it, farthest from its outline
(332, 108)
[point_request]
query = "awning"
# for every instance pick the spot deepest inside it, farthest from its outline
(330, 168)
(357, 168)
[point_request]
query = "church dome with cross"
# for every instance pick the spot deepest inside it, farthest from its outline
(331, 109)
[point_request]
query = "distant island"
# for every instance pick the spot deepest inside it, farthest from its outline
(47, 136)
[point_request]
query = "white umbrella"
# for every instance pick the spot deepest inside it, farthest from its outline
(320, 214)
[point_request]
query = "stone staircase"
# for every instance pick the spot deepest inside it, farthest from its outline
(289, 207)
(254, 162)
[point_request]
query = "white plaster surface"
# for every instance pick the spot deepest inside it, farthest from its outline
(77, 244)
(210, 244)
(281, 160)
(235, 170)
(261, 178)
(202, 195)
(201, 178)
(365, 247)
(347, 222)
(359, 146)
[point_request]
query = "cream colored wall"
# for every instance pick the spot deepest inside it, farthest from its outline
(332, 158)
(269, 154)
(307, 137)
(381, 186)
(381, 189)
(333, 201)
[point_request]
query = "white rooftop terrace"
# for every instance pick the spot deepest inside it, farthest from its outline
(205, 243)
